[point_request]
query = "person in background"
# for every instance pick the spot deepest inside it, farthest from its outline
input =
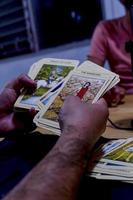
(108, 44)
(59, 174)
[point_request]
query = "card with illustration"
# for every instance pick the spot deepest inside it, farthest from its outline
(93, 67)
(31, 71)
(113, 160)
(86, 87)
(48, 73)
(101, 153)
(102, 150)
(47, 97)
(122, 155)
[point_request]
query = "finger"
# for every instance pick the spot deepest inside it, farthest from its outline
(23, 81)
(24, 121)
(7, 99)
(72, 99)
(101, 107)
(70, 102)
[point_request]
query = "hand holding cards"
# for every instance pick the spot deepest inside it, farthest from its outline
(58, 78)
(49, 73)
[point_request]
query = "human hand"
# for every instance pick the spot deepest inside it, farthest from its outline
(114, 96)
(83, 121)
(66, 164)
(10, 121)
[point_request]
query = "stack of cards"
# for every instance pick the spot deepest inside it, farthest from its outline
(113, 161)
(58, 78)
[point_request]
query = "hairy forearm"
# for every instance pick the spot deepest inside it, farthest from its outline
(57, 176)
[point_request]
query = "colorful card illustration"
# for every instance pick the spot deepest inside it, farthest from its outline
(90, 66)
(102, 150)
(122, 155)
(47, 97)
(48, 73)
(87, 87)
(113, 161)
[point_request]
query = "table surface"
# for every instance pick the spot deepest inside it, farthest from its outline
(120, 115)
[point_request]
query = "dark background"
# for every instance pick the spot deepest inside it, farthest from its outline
(28, 26)
(62, 21)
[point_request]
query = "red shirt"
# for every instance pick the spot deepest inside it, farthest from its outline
(108, 43)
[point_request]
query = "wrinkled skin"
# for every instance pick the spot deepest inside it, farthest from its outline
(86, 121)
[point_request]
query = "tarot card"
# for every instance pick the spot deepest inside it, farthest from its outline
(87, 87)
(112, 169)
(48, 73)
(109, 177)
(90, 66)
(32, 70)
(47, 97)
(122, 155)
(47, 129)
(115, 172)
(102, 150)
(98, 161)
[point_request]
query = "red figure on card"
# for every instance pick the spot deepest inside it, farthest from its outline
(83, 90)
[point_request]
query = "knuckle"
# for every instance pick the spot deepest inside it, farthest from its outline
(21, 77)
